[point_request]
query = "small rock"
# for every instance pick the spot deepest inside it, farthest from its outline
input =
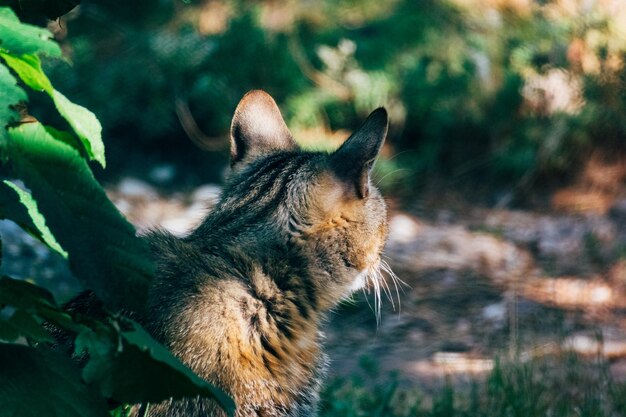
(495, 313)
(162, 173)
(135, 188)
(403, 229)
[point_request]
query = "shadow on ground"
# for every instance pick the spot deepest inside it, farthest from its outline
(479, 285)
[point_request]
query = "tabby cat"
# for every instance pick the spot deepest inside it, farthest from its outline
(240, 300)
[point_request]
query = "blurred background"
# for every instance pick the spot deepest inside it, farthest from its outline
(504, 166)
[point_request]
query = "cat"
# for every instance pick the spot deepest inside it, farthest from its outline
(240, 300)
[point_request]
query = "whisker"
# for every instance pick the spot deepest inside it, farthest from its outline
(395, 284)
(377, 301)
(367, 299)
(397, 154)
(376, 283)
(384, 266)
(390, 173)
(386, 284)
(385, 287)
(349, 299)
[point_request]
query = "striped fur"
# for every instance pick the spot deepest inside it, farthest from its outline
(240, 300)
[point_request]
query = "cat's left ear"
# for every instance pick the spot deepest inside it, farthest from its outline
(258, 128)
(354, 160)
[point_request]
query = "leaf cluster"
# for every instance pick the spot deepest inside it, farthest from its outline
(122, 362)
(48, 188)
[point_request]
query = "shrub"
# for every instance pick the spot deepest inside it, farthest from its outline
(48, 188)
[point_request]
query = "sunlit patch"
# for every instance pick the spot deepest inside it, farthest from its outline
(569, 292)
(458, 362)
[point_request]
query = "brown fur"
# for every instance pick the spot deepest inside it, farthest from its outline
(241, 299)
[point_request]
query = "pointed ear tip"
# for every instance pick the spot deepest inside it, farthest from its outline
(381, 110)
(380, 114)
(256, 97)
(379, 119)
(258, 93)
(253, 105)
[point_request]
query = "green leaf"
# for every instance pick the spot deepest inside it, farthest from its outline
(180, 383)
(39, 383)
(104, 252)
(141, 370)
(12, 208)
(29, 327)
(84, 123)
(20, 38)
(32, 305)
(28, 67)
(123, 410)
(38, 221)
(24, 295)
(8, 332)
(66, 137)
(10, 94)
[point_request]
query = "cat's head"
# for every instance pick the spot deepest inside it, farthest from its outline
(321, 204)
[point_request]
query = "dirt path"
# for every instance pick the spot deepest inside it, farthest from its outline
(490, 282)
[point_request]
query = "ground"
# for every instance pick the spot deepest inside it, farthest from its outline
(479, 284)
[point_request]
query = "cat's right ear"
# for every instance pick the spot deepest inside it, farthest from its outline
(258, 128)
(354, 160)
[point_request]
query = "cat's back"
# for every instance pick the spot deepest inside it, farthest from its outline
(211, 310)
(241, 299)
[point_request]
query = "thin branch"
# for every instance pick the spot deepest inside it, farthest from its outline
(319, 78)
(193, 131)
